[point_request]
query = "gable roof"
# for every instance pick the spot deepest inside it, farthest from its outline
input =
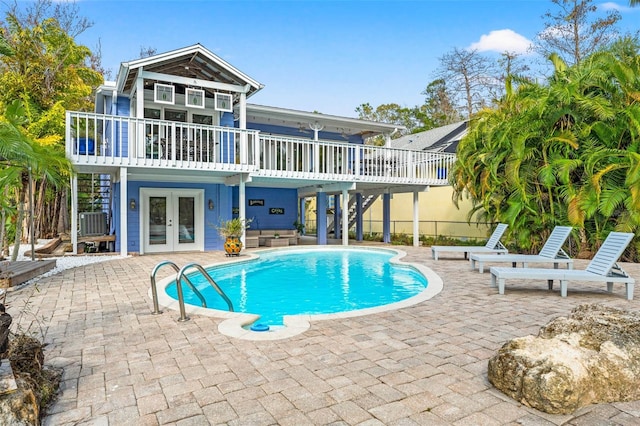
(444, 139)
(192, 62)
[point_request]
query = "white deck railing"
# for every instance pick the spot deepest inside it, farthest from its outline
(303, 158)
(98, 139)
(109, 140)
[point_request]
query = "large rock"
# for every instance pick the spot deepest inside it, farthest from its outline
(19, 408)
(592, 356)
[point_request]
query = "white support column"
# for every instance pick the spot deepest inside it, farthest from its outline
(316, 127)
(242, 123)
(140, 145)
(416, 220)
(241, 208)
(345, 217)
(242, 111)
(124, 205)
(74, 213)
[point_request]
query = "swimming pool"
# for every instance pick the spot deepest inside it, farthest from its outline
(236, 324)
(308, 282)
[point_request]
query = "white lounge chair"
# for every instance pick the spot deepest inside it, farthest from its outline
(602, 268)
(551, 252)
(493, 245)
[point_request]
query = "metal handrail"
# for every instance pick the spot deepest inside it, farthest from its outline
(154, 290)
(216, 287)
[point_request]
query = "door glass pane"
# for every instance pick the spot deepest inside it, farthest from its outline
(157, 220)
(202, 119)
(186, 219)
(173, 115)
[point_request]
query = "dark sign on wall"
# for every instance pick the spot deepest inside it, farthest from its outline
(256, 203)
(276, 210)
(235, 210)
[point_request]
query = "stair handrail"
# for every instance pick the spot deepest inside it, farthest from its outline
(181, 274)
(154, 290)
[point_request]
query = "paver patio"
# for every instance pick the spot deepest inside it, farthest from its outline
(426, 364)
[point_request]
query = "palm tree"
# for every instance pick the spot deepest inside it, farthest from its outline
(21, 158)
(564, 152)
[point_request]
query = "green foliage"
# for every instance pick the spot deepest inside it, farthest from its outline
(564, 152)
(299, 227)
(43, 73)
(414, 119)
(233, 227)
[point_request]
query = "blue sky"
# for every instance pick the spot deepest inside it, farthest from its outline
(326, 56)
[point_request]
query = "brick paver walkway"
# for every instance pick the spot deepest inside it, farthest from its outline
(423, 365)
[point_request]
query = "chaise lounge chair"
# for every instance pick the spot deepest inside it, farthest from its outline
(551, 252)
(493, 245)
(602, 268)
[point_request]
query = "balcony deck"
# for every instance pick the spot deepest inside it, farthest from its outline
(102, 143)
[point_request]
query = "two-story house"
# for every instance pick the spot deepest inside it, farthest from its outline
(183, 150)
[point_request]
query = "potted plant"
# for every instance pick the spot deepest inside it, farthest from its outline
(299, 226)
(232, 230)
(276, 235)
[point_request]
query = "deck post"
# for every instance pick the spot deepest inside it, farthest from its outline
(416, 219)
(74, 213)
(345, 218)
(337, 215)
(386, 217)
(359, 219)
(124, 205)
(321, 217)
(242, 210)
(301, 216)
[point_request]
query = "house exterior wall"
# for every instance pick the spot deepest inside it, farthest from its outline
(286, 199)
(223, 198)
(178, 141)
(305, 134)
(436, 205)
(220, 195)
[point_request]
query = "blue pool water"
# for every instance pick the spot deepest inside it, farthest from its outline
(294, 282)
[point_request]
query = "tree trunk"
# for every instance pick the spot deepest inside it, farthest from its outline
(63, 217)
(3, 221)
(18, 237)
(42, 218)
(3, 228)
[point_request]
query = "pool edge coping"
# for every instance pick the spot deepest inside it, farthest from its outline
(233, 323)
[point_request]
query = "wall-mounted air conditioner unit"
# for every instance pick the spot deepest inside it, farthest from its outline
(93, 223)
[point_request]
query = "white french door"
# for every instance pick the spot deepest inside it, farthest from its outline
(171, 219)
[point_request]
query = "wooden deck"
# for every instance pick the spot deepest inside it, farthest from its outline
(16, 273)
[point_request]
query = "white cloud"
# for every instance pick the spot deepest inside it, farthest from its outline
(502, 41)
(615, 6)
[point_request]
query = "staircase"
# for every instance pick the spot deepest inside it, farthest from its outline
(367, 202)
(94, 194)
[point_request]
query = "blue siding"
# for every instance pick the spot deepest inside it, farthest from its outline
(123, 108)
(224, 198)
(221, 212)
(219, 194)
(115, 213)
(307, 134)
(273, 197)
(226, 119)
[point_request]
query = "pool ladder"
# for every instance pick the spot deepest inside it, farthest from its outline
(182, 276)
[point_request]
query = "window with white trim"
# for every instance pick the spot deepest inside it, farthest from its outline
(164, 93)
(194, 98)
(223, 102)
